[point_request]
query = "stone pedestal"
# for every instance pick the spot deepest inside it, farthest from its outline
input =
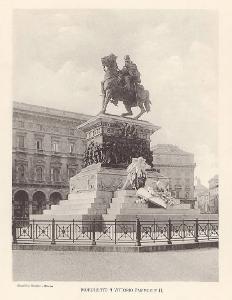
(96, 177)
(113, 141)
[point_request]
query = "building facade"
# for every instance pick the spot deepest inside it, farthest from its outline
(201, 193)
(213, 194)
(47, 151)
(178, 166)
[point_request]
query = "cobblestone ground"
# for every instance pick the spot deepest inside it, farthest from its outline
(184, 265)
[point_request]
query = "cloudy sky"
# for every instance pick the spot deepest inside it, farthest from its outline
(57, 64)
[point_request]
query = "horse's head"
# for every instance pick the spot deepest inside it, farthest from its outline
(109, 61)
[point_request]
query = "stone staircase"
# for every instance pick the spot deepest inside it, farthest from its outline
(126, 202)
(125, 207)
(122, 200)
(108, 206)
(78, 204)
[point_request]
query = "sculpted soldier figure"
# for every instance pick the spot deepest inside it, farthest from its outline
(130, 74)
(96, 153)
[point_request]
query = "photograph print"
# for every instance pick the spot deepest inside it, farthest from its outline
(114, 153)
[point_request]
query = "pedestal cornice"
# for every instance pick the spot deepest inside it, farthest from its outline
(103, 119)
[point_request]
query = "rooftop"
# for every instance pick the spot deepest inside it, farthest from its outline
(25, 107)
(168, 149)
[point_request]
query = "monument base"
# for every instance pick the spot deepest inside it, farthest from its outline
(95, 194)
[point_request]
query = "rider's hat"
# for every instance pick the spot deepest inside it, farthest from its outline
(127, 57)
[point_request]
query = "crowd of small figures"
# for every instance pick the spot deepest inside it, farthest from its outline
(116, 153)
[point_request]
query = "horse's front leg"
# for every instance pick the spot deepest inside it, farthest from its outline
(129, 111)
(103, 102)
(106, 98)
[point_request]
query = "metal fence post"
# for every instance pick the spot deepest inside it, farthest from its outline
(33, 230)
(183, 229)
(14, 232)
(138, 232)
(196, 231)
(73, 230)
(115, 231)
(154, 229)
(53, 232)
(93, 231)
(169, 231)
(208, 229)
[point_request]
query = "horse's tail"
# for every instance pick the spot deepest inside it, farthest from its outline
(147, 103)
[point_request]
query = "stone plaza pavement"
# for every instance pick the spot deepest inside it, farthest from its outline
(182, 265)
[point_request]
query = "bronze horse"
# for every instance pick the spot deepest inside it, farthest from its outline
(113, 89)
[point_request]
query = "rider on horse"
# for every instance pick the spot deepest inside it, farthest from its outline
(130, 75)
(123, 85)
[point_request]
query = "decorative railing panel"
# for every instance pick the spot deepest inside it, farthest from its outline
(42, 232)
(114, 232)
(125, 232)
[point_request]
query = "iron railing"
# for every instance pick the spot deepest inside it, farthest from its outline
(94, 232)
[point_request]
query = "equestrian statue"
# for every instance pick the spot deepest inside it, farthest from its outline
(123, 85)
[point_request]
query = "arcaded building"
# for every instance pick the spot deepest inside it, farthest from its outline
(178, 166)
(47, 151)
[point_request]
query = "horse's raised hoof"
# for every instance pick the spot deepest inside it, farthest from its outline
(126, 114)
(140, 114)
(137, 117)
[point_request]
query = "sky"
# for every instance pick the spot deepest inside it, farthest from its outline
(57, 63)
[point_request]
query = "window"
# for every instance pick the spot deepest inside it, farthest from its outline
(71, 131)
(55, 146)
(39, 173)
(21, 172)
(21, 141)
(39, 144)
(71, 147)
(21, 124)
(39, 127)
(56, 174)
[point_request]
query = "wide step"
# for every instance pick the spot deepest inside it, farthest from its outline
(79, 206)
(84, 201)
(71, 206)
(65, 212)
(154, 211)
(88, 195)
